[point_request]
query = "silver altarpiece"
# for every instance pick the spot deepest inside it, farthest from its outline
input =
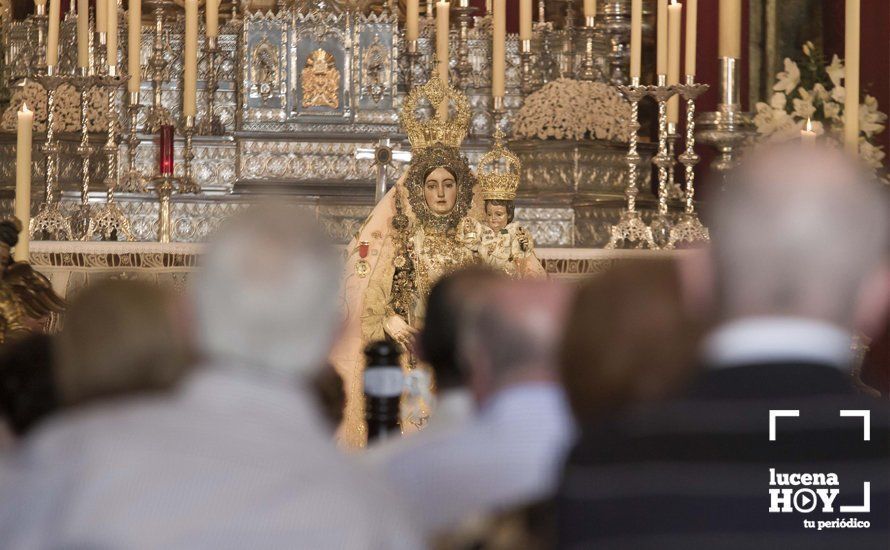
(300, 89)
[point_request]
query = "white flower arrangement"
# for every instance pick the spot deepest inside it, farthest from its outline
(814, 91)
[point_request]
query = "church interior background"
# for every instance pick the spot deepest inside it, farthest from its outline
(300, 100)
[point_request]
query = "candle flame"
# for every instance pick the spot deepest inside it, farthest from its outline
(673, 2)
(809, 125)
(25, 108)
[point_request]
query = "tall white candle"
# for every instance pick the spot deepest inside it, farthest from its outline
(851, 81)
(525, 19)
(636, 37)
(443, 30)
(134, 45)
(52, 40)
(691, 35)
(102, 15)
(675, 18)
(190, 60)
(23, 180)
(111, 40)
(211, 18)
(730, 41)
(412, 19)
(498, 49)
(589, 8)
(83, 33)
(661, 65)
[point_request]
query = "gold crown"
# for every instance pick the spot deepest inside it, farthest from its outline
(438, 129)
(498, 171)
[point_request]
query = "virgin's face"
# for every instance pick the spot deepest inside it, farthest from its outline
(497, 216)
(440, 191)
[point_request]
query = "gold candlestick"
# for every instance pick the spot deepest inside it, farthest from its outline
(158, 115)
(464, 68)
(110, 221)
(82, 222)
(413, 55)
(133, 180)
(165, 187)
(49, 222)
(631, 229)
(188, 183)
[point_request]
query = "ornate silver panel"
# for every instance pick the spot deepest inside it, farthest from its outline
(264, 69)
(375, 68)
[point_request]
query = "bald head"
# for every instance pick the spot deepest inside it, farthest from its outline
(267, 294)
(513, 334)
(799, 232)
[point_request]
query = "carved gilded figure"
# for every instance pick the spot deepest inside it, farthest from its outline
(26, 296)
(320, 81)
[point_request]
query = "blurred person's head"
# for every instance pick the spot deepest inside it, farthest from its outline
(27, 388)
(800, 232)
(449, 300)
(119, 338)
(512, 336)
(267, 296)
(629, 338)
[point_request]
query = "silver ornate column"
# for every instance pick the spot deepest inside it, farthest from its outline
(211, 125)
(567, 55)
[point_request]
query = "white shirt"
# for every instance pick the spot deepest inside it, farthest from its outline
(229, 461)
(755, 340)
(453, 409)
(509, 455)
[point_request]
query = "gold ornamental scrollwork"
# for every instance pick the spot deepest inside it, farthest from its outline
(320, 81)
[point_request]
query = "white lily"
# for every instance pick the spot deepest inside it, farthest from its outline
(788, 79)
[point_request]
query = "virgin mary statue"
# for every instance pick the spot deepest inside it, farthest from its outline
(421, 230)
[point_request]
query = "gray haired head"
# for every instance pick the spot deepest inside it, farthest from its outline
(800, 231)
(267, 294)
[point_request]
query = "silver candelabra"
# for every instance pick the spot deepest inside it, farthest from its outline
(690, 228)
(631, 229)
(661, 225)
